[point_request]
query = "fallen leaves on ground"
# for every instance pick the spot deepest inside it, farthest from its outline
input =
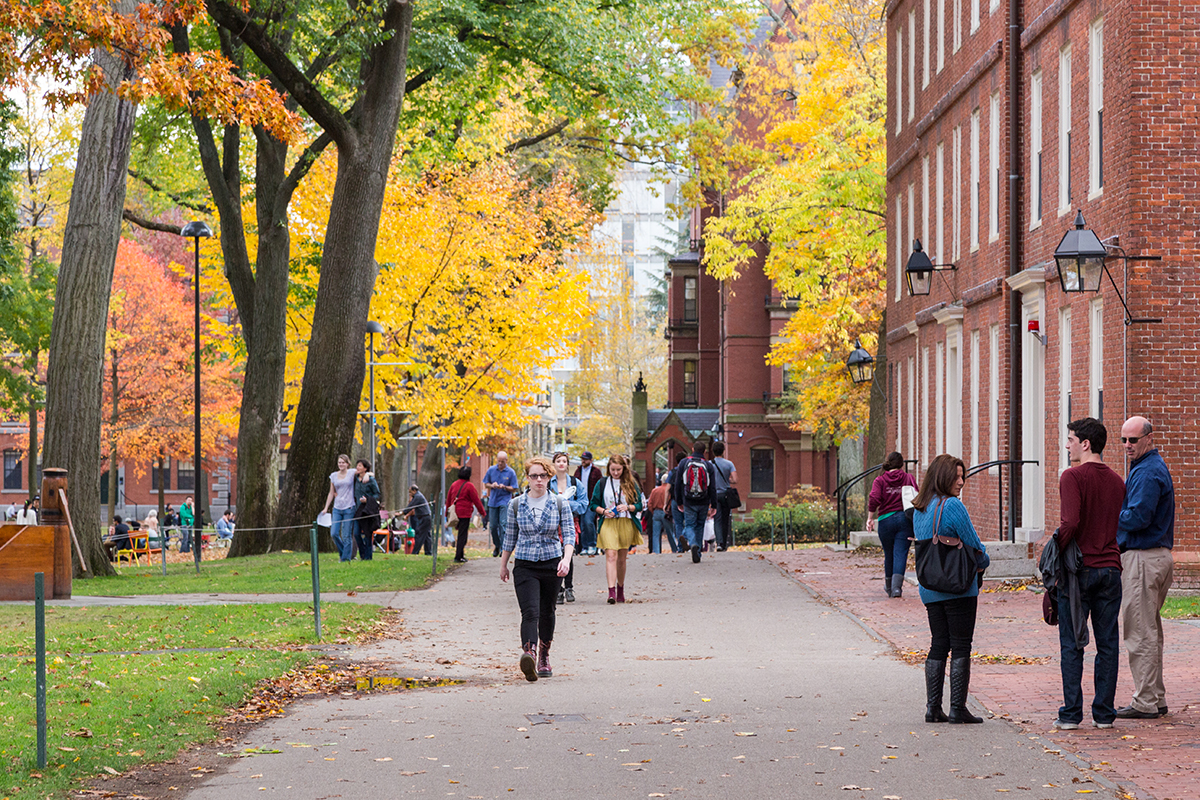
(918, 657)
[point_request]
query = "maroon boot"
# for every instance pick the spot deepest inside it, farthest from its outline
(543, 661)
(528, 661)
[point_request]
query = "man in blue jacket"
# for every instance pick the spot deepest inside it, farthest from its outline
(1145, 535)
(695, 495)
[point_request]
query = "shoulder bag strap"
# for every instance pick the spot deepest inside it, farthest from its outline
(937, 516)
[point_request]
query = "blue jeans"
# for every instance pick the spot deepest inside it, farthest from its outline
(694, 518)
(677, 529)
(342, 529)
(656, 528)
(894, 533)
(587, 530)
(1101, 598)
(495, 523)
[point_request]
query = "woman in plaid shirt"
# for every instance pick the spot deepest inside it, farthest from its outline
(540, 531)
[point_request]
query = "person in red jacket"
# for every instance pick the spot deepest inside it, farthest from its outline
(465, 497)
(885, 506)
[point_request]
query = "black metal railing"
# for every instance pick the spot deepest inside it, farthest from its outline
(1010, 463)
(843, 491)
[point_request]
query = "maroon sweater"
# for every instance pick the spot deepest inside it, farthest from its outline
(1090, 505)
(885, 491)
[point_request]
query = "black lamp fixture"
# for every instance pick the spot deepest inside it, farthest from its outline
(860, 364)
(1080, 258)
(919, 270)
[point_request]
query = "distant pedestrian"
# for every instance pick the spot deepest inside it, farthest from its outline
(464, 498)
(1145, 535)
(366, 508)
(150, 525)
(187, 524)
(589, 474)
(500, 481)
(540, 532)
(725, 478)
(341, 500)
(420, 514)
(695, 494)
(119, 538)
(939, 512)
(225, 529)
(885, 506)
(675, 508)
(573, 492)
(658, 504)
(29, 514)
(617, 502)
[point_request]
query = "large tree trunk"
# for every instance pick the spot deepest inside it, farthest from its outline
(76, 359)
(336, 363)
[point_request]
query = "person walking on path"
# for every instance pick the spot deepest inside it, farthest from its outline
(589, 474)
(939, 512)
(657, 504)
(572, 491)
(366, 508)
(421, 515)
(187, 521)
(675, 506)
(540, 532)
(725, 474)
(500, 481)
(1090, 496)
(1145, 536)
(341, 500)
(465, 498)
(617, 502)
(695, 494)
(885, 510)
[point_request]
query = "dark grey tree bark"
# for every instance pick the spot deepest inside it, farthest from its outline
(76, 359)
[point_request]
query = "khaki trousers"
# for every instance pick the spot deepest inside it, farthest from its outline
(1145, 578)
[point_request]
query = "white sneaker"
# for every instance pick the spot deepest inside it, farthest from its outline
(1066, 726)
(1101, 724)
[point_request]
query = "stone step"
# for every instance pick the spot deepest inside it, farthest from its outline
(864, 539)
(1006, 551)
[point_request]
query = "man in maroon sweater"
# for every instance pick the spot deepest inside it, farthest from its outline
(1090, 497)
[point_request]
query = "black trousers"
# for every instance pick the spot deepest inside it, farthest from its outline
(422, 537)
(364, 534)
(952, 625)
(463, 526)
(536, 583)
(724, 523)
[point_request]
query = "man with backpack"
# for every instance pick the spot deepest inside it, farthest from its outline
(695, 493)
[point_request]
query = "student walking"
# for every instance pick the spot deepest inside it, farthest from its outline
(939, 512)
(540, 532)
(885, 510)
(617, 502)
(574, 492)
(463, 496)
(341, 499)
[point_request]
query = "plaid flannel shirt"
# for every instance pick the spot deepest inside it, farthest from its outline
(536, 539)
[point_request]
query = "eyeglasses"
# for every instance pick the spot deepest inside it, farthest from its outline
(537, 476)
(1131, 439)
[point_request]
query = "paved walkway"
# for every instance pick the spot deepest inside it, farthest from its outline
(718, 680)
(1151, 758)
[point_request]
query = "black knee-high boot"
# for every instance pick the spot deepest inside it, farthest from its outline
(935, 677)
(960, 685)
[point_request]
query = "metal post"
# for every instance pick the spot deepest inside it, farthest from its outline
(441, 516)
(39, 625)
(316, 579)
(162, 543)
(786, 518)
(771, 514)
(199, 473)
(371, 366)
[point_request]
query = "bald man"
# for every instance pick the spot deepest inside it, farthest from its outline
(501, 483)
(1145, 536)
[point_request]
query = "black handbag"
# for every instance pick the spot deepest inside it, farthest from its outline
(944, 563)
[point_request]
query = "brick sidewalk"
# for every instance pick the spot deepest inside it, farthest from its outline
(1015, 673)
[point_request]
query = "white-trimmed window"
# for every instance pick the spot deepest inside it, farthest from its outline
(1035, 149)
(912, 215)
(941, 35)
(974, 186)
(974, 401)
(994, 168)
(899, 246)
(956, 203)
(1096, 107)
(1064, 382)
(912, 65)
(939, 395)
(940, 208)
(994, 394)
(995, 4)
(956, 24)
(925, 203)
(912, 408)
(926, 45)
(924, 405)
(974, 15)
(1064, 130)
(899, 39)
(898, 375)
(954, 394)
(1096, 358)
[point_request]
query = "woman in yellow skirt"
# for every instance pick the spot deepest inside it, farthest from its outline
(617, 501)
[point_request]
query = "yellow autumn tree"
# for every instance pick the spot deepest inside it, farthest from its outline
(815, 98)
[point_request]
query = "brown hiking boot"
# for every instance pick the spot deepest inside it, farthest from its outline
(528, 661)
(543, 661)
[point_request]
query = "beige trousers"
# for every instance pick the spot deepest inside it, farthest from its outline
(1145, 578)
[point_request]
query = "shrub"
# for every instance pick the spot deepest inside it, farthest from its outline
(810, 515)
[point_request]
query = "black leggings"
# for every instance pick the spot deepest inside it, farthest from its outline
(463, 526)
(952, 625)
(537, 584)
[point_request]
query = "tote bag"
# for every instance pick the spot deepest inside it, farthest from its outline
(944, 563)
(452, 514)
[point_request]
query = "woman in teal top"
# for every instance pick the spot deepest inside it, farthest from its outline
(938, 511)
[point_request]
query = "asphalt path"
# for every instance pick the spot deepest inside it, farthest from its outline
(725, 679)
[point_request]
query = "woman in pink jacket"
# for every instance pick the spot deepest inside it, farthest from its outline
(885, 506)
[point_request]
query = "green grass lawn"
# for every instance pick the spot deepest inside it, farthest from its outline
(269, 574)
(1181, 607)
(108, 710)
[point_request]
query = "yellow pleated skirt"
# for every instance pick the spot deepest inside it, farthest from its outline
(618, 534)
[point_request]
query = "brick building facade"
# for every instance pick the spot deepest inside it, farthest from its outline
(1004, 120)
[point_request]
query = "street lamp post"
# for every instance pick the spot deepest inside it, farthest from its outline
(918, 272)
(197, 230)
(1080, 258)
